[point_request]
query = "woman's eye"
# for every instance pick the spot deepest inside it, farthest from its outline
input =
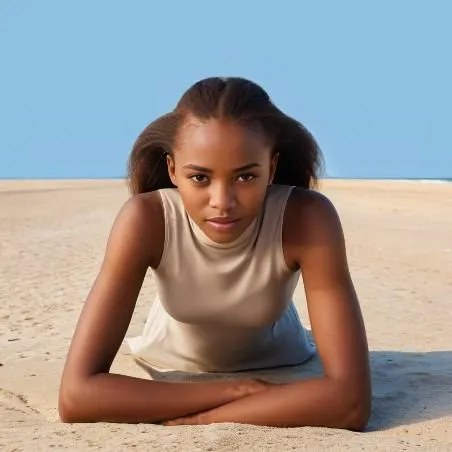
(199, 178)
(246, 177)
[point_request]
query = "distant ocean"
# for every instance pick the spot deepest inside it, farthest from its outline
(429, 181)
(396, 179)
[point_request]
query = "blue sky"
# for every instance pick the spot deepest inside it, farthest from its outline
(80, 80)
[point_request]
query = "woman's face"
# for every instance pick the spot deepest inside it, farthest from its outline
(222, 170)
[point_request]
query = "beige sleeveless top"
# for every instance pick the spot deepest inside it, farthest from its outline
(223, 307)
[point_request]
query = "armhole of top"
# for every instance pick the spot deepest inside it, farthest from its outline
(164, 203)
(280, 230)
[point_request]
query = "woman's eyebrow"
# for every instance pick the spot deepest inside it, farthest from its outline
(207, 170)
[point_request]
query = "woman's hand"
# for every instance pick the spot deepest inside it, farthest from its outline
(195, 419)
(249, 387)
(244, 388)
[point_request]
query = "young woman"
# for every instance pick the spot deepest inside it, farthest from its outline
(224, 213)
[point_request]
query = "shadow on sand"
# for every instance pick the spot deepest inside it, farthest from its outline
(407, 387)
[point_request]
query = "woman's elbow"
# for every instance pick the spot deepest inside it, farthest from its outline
(65, 412)
(71, 406)
(358, 412)
(358, 418)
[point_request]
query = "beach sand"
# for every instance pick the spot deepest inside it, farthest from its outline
(399, 239)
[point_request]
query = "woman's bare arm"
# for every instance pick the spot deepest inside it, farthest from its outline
(342, 397)
(88, 392)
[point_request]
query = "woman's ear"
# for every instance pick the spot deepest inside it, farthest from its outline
(273, 166)
(171, 168)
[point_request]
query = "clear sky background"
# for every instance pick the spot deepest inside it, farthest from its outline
(79, 80)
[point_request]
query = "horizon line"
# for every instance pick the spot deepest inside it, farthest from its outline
(80, 178)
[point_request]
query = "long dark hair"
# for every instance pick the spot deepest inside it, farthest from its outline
(233, 98)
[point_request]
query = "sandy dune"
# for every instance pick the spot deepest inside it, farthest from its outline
(399, 236)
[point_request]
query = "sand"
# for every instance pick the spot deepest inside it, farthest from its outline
(399, 238)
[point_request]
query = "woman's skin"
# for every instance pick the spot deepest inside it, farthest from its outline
(204, 168)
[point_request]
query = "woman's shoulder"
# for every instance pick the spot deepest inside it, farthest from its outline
(310, 219)
(142, 216)
(144, 207)
(303, 200)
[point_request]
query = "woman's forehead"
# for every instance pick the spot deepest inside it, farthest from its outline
(214, 138)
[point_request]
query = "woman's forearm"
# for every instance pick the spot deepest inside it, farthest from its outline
(119, 398)
(320, 402)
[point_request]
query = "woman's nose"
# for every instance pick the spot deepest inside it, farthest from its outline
(222, 197)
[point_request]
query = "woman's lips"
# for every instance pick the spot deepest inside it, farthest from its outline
(222, 224)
